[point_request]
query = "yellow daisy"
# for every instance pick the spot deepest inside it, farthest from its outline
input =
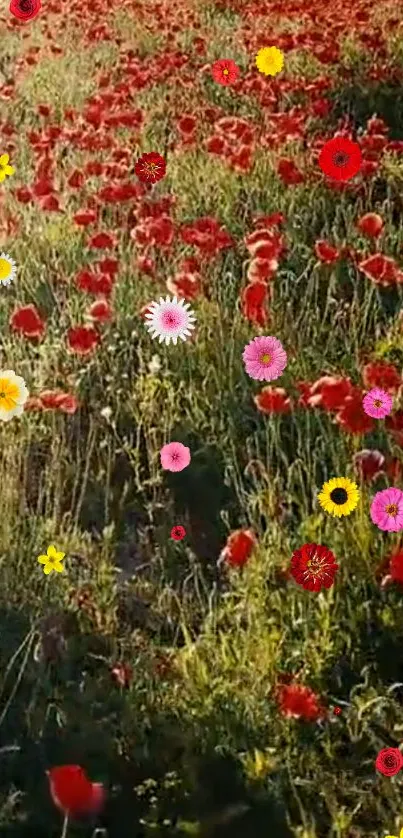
(13, 395)
(5, 169)
(7, 269)
(339, 496)
(52, 560)
(270, 60)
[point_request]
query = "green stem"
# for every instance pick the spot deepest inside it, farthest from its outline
(65, 825)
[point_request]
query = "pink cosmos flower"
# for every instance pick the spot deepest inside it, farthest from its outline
(377, 403)
(175, 456)
(387, 509)
(264, 358)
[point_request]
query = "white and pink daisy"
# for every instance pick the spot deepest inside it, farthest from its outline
(174, 456)
(264, 358)
(377, 403)
(169, 320)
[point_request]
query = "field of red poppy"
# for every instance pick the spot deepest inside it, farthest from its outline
(221, 652)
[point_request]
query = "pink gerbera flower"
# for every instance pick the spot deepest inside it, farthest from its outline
(175, 456)
(387, 510)
(264, 358)
(225, 71)
(377, 403)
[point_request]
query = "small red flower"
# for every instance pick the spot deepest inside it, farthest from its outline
(326, 252)
(122, 673)
(352, 417)
(238, 548)
(100, 311)
(396, 566)
(340, 158)
(371, 225)
(313, 566)
(100, 241)
(289, 172)
(389, 761)
(82, 339)
(150, 167)
(178, 532)
(381, 374)
(273, 400)
(225, 71)
(383, 270)
(369, 464)
(337, 711)
(27, 321)
(85, 217)
(25, 9)
(72, 791)
(299, 702)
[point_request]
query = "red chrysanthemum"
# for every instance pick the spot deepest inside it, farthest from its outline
(340, 158)
(178, 532)
(299, 702)
(73, 792)
(225, 71)
(389, 761)
(150, 167)
(313, 566)
(25, 9)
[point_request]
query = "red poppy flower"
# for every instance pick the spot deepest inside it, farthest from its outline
(340, 158)
(381, 269)
(82, 339)
(389, 761)
(352, 417)
(25, 9)
(238, 548)
(371, 225)
(299, 702)
(329, 392)
(225, 71)
(337, 711)
(273, 400)
(261, 269)
(84, 217)
(381, 374)
(100, 311)
(122, 674)
(186, 285)
(326, 253)
(100, 241)
(369, 464)
(313, 566)
(396, 566)
(27, 321)
(150, 167)
(253, 299)
(178, 532)
(72, 791)
(289, 172)
(54, 400)
(94, 283)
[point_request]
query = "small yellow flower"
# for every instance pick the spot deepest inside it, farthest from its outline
(270, 60)
(5, 169)
(395, 836)
(52, 560)
(13, 395)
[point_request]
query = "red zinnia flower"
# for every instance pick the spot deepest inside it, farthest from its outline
(299, 702)
(225, 71)
(313, 566)
(273, 400)
(150, 167)
(73, 792)
(82, 339)
(389, 761)
(25, 9)
(27, 321)
(178, 532)
(340, 158)
(371, 225)
(238, 548)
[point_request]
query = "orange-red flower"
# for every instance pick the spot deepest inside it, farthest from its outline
(238, 548)
(225, 71)
(298, 702)
(72, 791)
(150, 167)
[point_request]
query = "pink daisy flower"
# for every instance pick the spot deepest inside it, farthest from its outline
(264, 358)
(377, 403)
(175, 456)
(225, 71)
(387, 509)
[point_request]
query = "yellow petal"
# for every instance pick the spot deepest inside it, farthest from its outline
(52, 552)
(43, 559)
(9, 170)
(48, 569)
(58, 567)
(4, 159)
(2, 176)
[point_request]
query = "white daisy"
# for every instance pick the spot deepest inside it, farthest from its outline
(8, 269)
(170, 319)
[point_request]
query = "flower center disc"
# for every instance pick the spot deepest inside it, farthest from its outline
(338, 496)
(377, 403)
(265, 359)
(4, 269)
(340, 158)
(392, 509)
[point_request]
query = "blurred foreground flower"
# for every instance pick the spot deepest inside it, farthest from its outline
(298, 702)
(73, 793)
(238, 548)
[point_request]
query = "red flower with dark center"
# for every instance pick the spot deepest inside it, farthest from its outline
(313, 566)
(238, 548)
(150, 167)
(73, 792)
(178, 532)
(299, 702)
(225, 71)
(340, 158)
(389, 761)
(27, 321)
(25, 9)
(82, 339)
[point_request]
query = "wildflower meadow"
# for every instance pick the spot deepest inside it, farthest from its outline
(201, 419)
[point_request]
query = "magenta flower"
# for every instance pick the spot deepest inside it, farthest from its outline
(377, 403)
(264, 358)
(175, 456)
(387, 509)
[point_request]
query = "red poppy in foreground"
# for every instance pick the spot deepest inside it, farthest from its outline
(313, 566)
(73, 792)
(225, 71)
(238, 548)
(389, 761)
(25, 9)
(298, 702)
(150, 167)
(340, 158)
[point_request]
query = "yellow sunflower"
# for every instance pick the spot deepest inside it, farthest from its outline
(339, 496)
(13, 395)
(5, 169)
(270, 60)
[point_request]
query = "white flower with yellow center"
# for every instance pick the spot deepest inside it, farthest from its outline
(13, 395)
(8, 269)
